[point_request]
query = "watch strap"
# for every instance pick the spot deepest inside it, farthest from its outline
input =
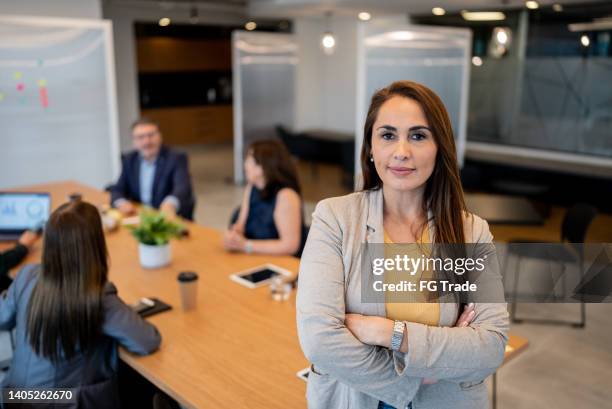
(398, 335)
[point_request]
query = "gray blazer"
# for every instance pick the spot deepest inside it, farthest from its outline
(93, 374)
(346, 373)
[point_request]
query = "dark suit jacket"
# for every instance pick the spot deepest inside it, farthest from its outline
(171, 179)
(92, 373)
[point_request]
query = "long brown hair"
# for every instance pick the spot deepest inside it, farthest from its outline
(65, 312)
(278, 166)
(443, 190)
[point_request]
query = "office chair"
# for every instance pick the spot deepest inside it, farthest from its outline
(574, 227)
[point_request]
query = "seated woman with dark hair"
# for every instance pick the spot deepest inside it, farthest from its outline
(67, 317)
(270, 219)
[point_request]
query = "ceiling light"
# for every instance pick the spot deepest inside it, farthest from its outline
(251, 25)
(584, 40)
(477, 61)
(438, 11)
(557, 7)
(532, 4)
(164, 21)
(502, 35)
(364, 16)
(483, 15)
(328, 40)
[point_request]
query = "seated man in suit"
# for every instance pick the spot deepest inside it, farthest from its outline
(153, 175)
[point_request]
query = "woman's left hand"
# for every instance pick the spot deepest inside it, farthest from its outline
(371, 330)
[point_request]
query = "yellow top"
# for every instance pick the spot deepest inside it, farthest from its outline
(410, 309)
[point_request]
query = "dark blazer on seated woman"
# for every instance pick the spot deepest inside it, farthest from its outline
(171, 179)
(93, 373)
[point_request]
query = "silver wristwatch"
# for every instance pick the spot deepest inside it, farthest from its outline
(398, 335)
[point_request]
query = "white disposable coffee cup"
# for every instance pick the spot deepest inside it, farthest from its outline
(188, 285)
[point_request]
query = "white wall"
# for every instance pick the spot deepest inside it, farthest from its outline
(326, 84)
(123, 17)
(53, 8)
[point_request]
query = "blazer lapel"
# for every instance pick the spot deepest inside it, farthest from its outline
(159, 170)
(374, 221)
(375, 240)
(136, 176)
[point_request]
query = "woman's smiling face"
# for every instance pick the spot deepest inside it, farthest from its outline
(403, 146)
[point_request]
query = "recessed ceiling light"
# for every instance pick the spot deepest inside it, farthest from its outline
(557, 7)
(364, 16)
(477, 61)
(584, 40)
(483, 15)
(532, 4)
(502, 37)
(438, 11)
(251, 25)
(164, 21)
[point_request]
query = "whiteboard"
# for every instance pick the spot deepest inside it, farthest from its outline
(58, 112)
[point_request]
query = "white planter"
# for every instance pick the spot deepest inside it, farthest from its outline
(154, 256)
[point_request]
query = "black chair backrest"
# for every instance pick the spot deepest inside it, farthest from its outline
(283, 133)
(576, 222)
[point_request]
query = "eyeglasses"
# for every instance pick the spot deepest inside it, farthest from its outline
(146, 135)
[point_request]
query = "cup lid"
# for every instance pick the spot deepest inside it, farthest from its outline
(187, 276)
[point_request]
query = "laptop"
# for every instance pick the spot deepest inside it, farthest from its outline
(20, 211)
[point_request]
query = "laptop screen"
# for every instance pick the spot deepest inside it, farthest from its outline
(21, 211)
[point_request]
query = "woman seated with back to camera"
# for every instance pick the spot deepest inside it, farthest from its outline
(270, 219)
(67, 317)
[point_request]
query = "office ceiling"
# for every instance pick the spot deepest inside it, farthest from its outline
(304, 8)
(315, 8)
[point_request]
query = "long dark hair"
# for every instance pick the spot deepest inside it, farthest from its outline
(278, 166)
(65, 313)
(443, 190)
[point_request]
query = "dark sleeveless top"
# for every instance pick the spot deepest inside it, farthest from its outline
(260, 220)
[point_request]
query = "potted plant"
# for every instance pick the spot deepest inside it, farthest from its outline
(153, 234)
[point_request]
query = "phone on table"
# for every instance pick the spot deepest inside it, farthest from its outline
(145, 304)
(258, 276)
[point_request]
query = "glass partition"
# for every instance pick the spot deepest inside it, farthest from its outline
(264, 88)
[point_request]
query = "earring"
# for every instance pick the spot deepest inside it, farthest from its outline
(371, 158)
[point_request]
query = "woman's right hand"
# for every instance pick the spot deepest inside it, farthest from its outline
(467, 316)
(465, 319)
(28, 238)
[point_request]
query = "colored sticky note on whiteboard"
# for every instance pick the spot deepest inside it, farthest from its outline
(44, 97)
(20, 86)
(1, 97)
(18, 75)
(42, 82)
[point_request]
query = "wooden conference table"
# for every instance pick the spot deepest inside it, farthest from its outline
(238, 348)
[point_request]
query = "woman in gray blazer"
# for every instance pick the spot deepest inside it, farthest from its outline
(67, 317)
(363, 357)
